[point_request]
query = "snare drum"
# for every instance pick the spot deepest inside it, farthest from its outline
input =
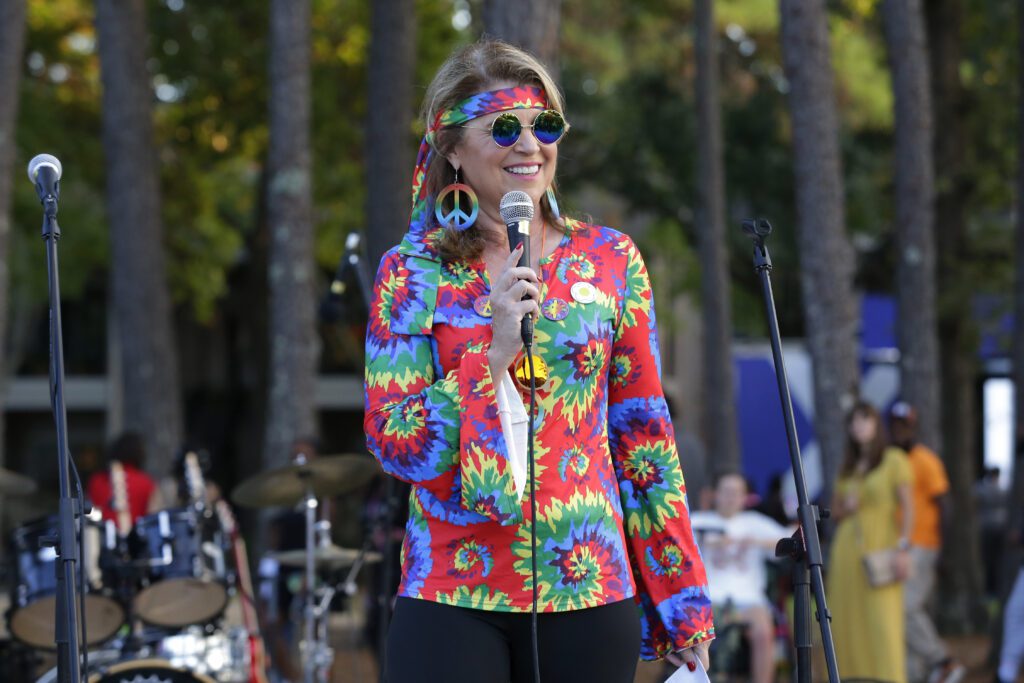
(33, 596)
(186, 581)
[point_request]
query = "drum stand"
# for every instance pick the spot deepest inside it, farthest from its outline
(316, 654)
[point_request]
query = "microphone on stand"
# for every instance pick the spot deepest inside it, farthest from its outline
(349, 258)
(350, 271)
(45, 170)
(516, 209)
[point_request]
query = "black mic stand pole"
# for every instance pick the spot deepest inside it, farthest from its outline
(66, 622)
(386, 519)
(804, 546)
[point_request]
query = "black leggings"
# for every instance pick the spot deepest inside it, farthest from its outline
(433, 643)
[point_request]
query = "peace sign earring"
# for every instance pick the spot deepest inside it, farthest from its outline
(457, 218)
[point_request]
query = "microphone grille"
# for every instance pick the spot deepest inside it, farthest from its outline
(44, 160)
(516, 206)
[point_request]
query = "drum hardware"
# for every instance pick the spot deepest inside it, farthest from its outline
(365, 556)
(317, 655)
(302, 483)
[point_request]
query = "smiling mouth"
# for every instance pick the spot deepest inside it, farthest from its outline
(533, 169)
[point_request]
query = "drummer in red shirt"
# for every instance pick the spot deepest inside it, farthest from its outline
(125, 460)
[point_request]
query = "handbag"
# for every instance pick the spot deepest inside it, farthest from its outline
(880, 567)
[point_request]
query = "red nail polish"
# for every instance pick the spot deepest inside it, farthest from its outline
(692, 666)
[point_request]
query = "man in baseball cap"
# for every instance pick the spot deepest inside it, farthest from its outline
(928, 658)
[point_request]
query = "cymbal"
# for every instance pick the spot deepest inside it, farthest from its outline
(330, 556)
(328, 475)
(14, 484)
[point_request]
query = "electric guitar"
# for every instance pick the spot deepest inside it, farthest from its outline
(257, 651)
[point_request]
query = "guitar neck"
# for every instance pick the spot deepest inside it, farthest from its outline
(119, 494)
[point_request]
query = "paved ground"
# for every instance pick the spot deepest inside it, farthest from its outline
(356, 665)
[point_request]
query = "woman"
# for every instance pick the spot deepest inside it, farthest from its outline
(618, 573)
(872, 506)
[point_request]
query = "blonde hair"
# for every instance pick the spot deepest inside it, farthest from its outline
(473, 69)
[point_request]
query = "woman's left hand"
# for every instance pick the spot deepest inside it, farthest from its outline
(690, 655)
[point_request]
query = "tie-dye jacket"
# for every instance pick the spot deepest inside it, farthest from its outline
(612, 520)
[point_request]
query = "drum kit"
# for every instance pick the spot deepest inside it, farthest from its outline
(159, 596)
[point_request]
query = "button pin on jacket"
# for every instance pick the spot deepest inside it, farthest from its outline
(483, 306)
(555, 309)
(584, 292)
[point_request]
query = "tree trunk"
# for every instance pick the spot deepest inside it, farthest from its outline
(531, 24)
(388, 151)
(826, 258)
(291, 411)
(961, 578)
(717, 381)
(12, 43)
(141, 300)
(916, 325)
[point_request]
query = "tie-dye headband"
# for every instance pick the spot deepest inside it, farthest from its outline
(481, 104)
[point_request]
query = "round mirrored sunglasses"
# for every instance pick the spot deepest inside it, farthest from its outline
(548, 127)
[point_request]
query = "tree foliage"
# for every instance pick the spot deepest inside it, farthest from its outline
(627, 69)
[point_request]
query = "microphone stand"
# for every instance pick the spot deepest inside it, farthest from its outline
(804, 546)
(66, 621)
(351, 259)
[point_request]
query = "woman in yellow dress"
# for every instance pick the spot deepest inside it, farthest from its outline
(872, 508)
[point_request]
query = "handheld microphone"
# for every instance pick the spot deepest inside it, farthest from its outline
(516, 209)
(45, 170)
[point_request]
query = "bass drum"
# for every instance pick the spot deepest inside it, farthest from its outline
(148, 670)
(33, 597)
(104, 669)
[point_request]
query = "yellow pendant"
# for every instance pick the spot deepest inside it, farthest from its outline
(540, 368)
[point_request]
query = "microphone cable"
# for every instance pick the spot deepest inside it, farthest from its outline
(533, 511)
(80, 624)
(84, 650)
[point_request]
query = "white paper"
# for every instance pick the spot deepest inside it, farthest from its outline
(513, 417)
(684, 675)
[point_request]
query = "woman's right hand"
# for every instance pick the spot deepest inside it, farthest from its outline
(508, 309)
(851, 501)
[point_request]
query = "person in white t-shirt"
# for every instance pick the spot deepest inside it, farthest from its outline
(736, 544)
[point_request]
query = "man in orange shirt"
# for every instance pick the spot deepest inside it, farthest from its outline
(927, 656)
